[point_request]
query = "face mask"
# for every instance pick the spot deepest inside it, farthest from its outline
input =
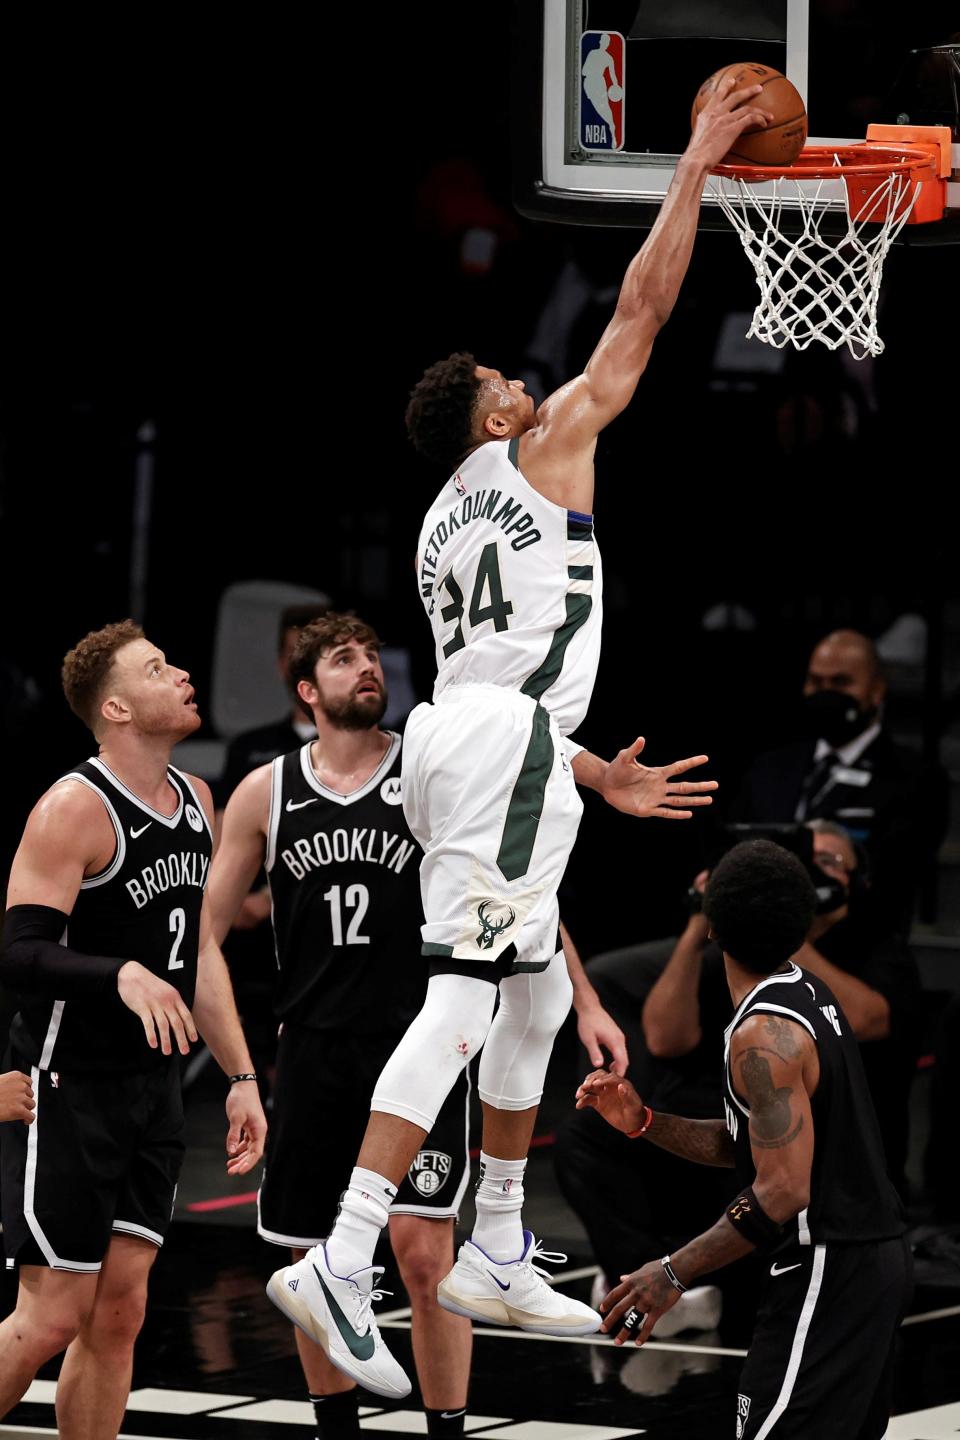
(835, 717)
(831, 893)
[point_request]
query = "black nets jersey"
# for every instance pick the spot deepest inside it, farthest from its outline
(851, 1198)
(145, 906)
(344, 875)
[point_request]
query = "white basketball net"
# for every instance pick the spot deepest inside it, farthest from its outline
(815, 287)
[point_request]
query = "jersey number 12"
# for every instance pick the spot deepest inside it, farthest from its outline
(356, 898)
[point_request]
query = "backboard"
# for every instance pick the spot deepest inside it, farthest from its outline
(603, 89)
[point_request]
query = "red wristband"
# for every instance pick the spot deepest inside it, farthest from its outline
(647, 1122)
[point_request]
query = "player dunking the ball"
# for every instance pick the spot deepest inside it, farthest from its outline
(510, 577)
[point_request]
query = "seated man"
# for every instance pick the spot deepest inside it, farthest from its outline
(852, 771)
(674, 1024)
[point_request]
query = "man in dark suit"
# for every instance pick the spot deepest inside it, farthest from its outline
(851, 771)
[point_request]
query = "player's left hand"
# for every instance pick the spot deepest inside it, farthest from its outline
(647, 790)
(597, 1028)
(648, 1293)
(247, 1130)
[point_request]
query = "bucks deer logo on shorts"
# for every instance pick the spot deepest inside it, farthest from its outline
(429, 1171)
(743, 1414)
(494, 918)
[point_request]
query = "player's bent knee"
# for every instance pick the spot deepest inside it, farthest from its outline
(117, 1317)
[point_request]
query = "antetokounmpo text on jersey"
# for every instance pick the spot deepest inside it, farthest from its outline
(510, 516)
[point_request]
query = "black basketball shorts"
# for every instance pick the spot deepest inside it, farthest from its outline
(821, 1360)
(321, 1105)
(102, 1158)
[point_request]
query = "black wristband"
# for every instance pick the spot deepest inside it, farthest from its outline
(235, 1079)
(749, 1219)
(669, 1272)
(33, 962)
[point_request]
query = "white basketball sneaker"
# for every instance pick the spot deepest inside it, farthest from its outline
(334, 1311)
(512, 1292)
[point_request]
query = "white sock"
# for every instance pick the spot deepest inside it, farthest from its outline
(364, 1210)
(499, 1228)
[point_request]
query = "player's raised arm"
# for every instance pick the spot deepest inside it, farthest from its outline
(240, 853)
(570, 420)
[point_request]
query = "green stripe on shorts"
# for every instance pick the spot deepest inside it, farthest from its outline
(526, 802)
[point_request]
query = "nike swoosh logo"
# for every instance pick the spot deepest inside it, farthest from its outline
(782, 1269)
(499, 1282)
(452, 1414)
(362, 1346)
(299, 804)
(135, 834)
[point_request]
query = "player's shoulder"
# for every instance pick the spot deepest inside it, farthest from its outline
(65, 814)
(252, 795)
(780, 1036)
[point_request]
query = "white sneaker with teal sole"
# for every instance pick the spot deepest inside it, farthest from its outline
(335, 1312)
(513, 1292)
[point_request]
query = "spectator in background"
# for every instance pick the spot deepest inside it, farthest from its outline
(851, 771)
(674, 1025)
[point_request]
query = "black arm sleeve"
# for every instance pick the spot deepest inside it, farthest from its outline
(33, 962)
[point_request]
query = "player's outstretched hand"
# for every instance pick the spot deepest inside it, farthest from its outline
(247, 1131)
(646, 790)
(614, 1098)
(159, 1006)
(723, 119)
(598, 1031)
(16, 1097)
(634, 1306)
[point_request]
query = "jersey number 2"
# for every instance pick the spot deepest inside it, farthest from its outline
(178, 928)
(357, 898)
(498, 609)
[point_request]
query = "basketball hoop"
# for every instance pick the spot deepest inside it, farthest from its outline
(823, 282)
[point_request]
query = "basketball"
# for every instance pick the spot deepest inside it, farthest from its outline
(784, 137)
(614, 93)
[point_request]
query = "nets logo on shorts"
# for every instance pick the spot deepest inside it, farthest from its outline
(494, 918)
(430, 1171)
(743, 1414)
(601, 90)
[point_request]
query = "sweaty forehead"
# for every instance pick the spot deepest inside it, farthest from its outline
(483, 372)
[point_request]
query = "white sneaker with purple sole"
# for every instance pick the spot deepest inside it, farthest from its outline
(513, 1292)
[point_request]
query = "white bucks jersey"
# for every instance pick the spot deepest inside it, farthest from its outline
(512, 586)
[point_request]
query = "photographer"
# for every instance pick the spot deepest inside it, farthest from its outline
(677, 1054)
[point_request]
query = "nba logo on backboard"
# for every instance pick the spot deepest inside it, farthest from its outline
(601, 90)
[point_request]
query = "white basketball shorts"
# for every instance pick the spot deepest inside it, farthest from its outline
(490, 796)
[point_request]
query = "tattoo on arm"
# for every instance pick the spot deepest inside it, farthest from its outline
(771, 1116)
(783, 1040)
(706, 1142)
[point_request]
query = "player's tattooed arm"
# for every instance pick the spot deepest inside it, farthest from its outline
(704, 1141)
(772, 1070)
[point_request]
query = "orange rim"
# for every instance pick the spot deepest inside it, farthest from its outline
(828, 162)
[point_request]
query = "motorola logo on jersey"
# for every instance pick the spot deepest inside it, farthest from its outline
(495, 917)
(429, 1171)
(390, 790)
(193, 818)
